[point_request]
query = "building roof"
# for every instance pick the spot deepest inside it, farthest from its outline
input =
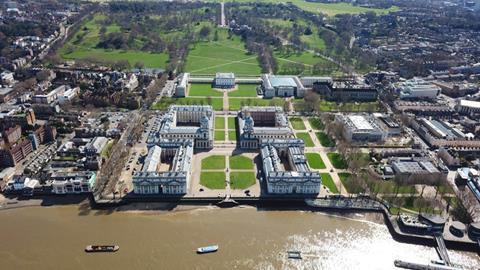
(229, 75)
(470, 103)
(360, 122)
(277, 81)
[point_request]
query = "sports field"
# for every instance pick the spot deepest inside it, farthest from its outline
(224, 55)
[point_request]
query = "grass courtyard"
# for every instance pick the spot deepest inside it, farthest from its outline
(297, 123)
(244, 90)
(219, 122)
(327, 181)
(316, 123)
(325, 140)
(219, 135)
(216, 162)
(306, 138)
(240, 162)
(338, 162)
(237, 103)
(242, 180)
(213, 180)
(227, 54)
(231, 122)
(203, 90)
(315, 161)
(232, 135)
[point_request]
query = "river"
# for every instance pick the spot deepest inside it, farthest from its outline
(54, 238)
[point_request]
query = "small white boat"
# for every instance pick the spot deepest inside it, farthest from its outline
(104, 248)
(293, 254)
(209, 249)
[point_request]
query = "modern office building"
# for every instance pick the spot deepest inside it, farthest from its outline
(182, 84)
(188, 123)
(257, 123)
(282, 86)
(418, 89)
(361, 127)
(285, 168)
(173, 155)
(411, 166)
(224, 80)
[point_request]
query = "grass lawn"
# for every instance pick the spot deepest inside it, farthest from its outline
(306, 138)
(232, 135)
(213, 163)
(219, 135)
(242, 180)
(316, 123)
(231, 122)
(337, 160)
(237, 103)
(217, 103)
(213, 180)
(244, 90)
(297, 123)
(203, 90)
(328, 182)
(325, 140)
(219, 122)
(348, 183)
(83, 46)
(240, 162)
(315, 161)
(389, 187)
(224, 55)
(331, 106)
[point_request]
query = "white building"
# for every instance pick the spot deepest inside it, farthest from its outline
(467, 106)
(282, 86)
(186, 123)
(361, 128)
(298, 179)
(68, 95)
(258, 123)
(419, 89)
(50, 97)
(151, 181)
(224, 80)
(74, 184)
(182, 83)
(6, 78)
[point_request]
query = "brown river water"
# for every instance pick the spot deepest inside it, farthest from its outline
(55, 237)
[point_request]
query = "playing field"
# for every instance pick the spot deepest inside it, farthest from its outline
(224, 55)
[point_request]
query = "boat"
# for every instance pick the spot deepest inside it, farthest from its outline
(208, 249)
(100, 248)
(293, 254)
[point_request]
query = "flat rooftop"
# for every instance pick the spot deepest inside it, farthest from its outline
(282, 81)
(360, 122)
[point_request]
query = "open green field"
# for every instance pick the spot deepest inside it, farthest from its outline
(338, 162)
(219, 135)
(216, 162)
(325, 140)
(328, 182)
(213, 180)
(297, 123)
(217, 103)
(331, 106)
(244, 90)
(330, 9)
(316, 123)
(305, 59)
(224, 55)
(315, 161)
(306, 138)
(242, 180)
(231, 122)
(83, 46)
(203, 90)
(313, 40)
(219, 122)
(240, 162)
(236, 103)
(232, 135)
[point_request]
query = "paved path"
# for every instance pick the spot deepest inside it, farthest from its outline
(222, 16)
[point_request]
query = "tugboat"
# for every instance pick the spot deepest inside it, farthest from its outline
(97, 248)
(209, 249)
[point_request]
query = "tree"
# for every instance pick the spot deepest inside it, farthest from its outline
(204, 32)
(312, 101)
(215, 36)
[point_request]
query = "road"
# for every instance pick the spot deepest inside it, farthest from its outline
(222, 17)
